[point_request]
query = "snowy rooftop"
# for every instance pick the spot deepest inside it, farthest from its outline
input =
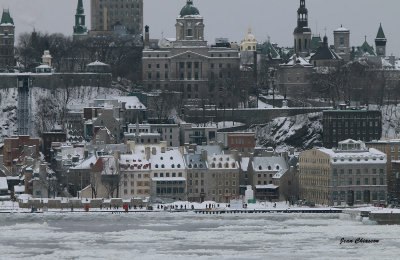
(272, 164)
(132, 102)
(168, 179)
(19, 189)
(3, 183)
(269, 186)
(222, 161)
(244, 163)
(129, 162)
(86, 164)
(195, 161)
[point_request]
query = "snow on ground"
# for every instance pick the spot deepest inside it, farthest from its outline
(263, 105)
(8, 112)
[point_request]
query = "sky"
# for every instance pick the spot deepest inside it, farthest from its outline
(232, 18)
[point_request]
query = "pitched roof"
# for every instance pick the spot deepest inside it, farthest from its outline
(325, 53)
(268, 48)
(381, 34)
(6, 18)
(315, 42)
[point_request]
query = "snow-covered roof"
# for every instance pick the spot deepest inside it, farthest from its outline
(244, 163)
(19, 189)
(273, 164)
(172, 159)
(3, 183)
(131, 162)
(86, 164)
(269, 186)
(297, 60)
(222, 161)
(131, 102)
(168, 179)
(195, 161)
(43, 66)
(369, 156)
(342, 29)
(97, 63)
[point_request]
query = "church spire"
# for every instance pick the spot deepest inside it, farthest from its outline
(80, 27)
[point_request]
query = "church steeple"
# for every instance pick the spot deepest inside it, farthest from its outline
(80, 27)
(302, 33)
(380, 42)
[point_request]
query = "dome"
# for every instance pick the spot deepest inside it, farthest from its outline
(189, 9)
(249, 37)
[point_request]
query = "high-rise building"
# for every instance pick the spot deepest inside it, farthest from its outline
(302, 33)
(380, 42)
(7, 39)
(105, 14)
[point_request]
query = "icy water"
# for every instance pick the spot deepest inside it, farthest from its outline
(190, 236)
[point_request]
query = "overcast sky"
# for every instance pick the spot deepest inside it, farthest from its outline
(231, 18)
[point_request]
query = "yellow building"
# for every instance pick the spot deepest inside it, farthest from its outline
(249, 42)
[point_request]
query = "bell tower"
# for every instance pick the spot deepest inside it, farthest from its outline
(380, 42)
(302, 33)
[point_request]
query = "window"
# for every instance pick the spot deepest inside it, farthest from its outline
(366, 181)
(350, 181)
(358, 195)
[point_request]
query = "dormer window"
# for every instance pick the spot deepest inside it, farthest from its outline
(162, 166)
(277, 167)
(179, 166)
(173, 166)
(226, 165)
(220, 165)
(260, 167)
(269, 168)
(171, 158)
(156, 165)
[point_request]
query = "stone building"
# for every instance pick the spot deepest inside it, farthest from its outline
(7, 38)
(189, 66)
(294, 77)
(197, 173)
(135, 175)
(392, 150)
(351, 174)
(338, 125)
(14, 148)
(302, 33)
(223, 179)
(342, 42)
(105, 14)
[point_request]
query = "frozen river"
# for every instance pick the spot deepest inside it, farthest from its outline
(187, 236)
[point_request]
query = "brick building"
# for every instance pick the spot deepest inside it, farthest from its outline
(13, 148)
(338, 125)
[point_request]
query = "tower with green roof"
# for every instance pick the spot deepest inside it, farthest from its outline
(80, 27)
(190, 27)
(7, 39)
(380, 42)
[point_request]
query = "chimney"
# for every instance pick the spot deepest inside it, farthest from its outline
(147, 152)
(153, 151)
(117, 155)
(85, 154)
(181, 150)
(146, 37)
(163, 149)
(291, 151)
(285, 155)
(204, 155)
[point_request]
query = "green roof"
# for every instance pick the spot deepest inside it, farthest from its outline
(6, 17)
(367, 48)
(189, 9)
(381, 34)
(315, 42)
(267, 48)
(79, 8)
